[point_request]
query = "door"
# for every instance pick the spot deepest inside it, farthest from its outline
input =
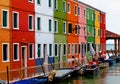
(45, 56)
(24, 61)
(60, 55)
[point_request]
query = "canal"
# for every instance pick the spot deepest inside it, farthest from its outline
(110, 75)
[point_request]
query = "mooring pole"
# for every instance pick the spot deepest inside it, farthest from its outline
(7, 75)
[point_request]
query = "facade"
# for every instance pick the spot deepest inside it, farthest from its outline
(23, 38)
(72, 32)
(48, 33)
(97, 30)
(5, 36)
(90, 29)
(60, 46)
(44, 34)
(103, 30)
(83, 32)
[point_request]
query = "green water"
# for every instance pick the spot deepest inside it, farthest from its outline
(111, 75)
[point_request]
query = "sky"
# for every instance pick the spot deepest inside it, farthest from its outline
(112, 10)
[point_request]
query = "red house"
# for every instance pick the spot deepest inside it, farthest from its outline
(103, 30)
(23, 38)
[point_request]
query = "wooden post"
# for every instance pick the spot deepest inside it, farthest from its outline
(118, 45)
(115, 46)
(7, 75)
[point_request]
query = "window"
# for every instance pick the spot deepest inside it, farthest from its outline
(50, 25)
(69, 49)
(30, 1)
(56, 49)
(56, 26)
(88, 46)
(85, 31)
(76, 48)
(38, 23)
(79, 48)
(64, 7)
(76, 29)
(95, 32)
(87, 14)
(16, 51)
(39, 50)
(49, 3)
(30, 22)
(99, 32)
(84, 13)
(15, 20)
(69, 28)
(31, 51)
(68, 9)
(64, 27)
(55, 4)
(75, 10)
(64, 49)
(50, 49)
(5, 18)
(92, 16)
(5, 52)
(78, 10)
(38, 1)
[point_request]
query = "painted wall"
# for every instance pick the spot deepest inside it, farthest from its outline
(97, 30)
(23, 36)
(72, 38)
(83, 32)
(43, 36)
(60, 16)
(90, 27)
(103, 28)
(5, 35)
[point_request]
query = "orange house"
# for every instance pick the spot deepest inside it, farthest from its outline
(5, 35)
(72, 32)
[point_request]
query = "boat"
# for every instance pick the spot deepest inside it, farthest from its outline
(110, 61)
(103, 65)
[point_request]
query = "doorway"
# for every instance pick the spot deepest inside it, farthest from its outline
(60, 55)
(24, 61)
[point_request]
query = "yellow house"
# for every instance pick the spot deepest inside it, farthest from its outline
(4, 37)
(97, 30)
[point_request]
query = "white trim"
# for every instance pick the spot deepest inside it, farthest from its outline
(17, 20)
(69, 50)
(7, 18)
(32, 22)
(25, 58)
(75, 11)
(56, 5)
(17, 53)
(8, 55)
(30, 1)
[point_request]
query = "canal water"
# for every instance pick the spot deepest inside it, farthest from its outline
(110, 75)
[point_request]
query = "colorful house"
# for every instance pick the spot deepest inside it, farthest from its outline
(5, 37)
(90, 29)
(103, 30)
(60, 33)
(72, 32)
(44, 34)
(97, 30)
(82, 32)
(23, 38)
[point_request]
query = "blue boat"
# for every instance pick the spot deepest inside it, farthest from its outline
(110, 61)
(42, 80)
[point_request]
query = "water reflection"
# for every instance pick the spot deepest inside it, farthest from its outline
(110, 75)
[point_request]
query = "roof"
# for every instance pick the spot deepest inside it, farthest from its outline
(112, 35)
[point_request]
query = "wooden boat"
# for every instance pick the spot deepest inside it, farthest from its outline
(103, 65)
